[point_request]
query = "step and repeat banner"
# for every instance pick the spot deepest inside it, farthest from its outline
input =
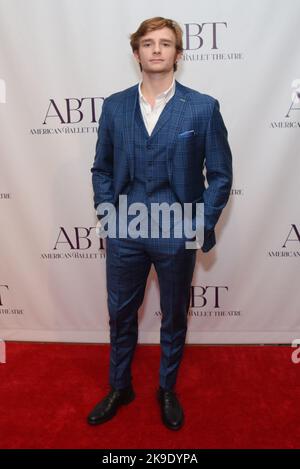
(58, 60)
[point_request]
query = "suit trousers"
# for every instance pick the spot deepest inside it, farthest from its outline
(128, 262)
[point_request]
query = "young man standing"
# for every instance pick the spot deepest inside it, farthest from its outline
(154, 140)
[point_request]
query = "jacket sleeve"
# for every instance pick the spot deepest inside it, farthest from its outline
(218, 164)
(102, 170)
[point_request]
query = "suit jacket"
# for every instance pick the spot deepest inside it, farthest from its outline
(196, 141)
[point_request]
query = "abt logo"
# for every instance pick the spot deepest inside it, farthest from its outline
(194, 34)
(210, 294)
(295, 98)
(78, 238)
(2, 352)
(73, 110)
(295, 357)
(293, 232)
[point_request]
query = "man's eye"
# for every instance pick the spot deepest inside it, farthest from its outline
(166, 44)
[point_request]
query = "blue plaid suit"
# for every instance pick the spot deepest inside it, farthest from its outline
(167, 166)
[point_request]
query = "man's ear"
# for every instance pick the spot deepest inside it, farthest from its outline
(136, 55)
(179, 56)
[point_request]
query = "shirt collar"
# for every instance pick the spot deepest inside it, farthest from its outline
(167, 94)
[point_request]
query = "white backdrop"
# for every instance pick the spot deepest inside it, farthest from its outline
(58, 60)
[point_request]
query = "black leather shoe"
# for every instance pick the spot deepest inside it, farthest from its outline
(107, 408)
(171, 410)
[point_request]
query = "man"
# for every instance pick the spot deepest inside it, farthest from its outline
(154, 140)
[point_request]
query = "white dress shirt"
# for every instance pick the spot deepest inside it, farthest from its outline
(151, 115)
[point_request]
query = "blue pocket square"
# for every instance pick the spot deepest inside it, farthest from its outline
(187, 133)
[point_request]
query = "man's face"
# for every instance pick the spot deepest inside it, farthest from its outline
(157, 52)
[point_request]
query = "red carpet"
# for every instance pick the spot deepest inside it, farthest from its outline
(233, 397)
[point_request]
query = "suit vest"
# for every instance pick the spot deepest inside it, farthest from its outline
(151, 182)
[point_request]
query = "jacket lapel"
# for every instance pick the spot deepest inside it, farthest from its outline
(129, 115)
(176, 119)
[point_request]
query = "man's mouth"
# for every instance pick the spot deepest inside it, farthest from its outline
(156, 60)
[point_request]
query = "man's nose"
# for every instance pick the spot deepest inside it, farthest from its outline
(156, 49)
